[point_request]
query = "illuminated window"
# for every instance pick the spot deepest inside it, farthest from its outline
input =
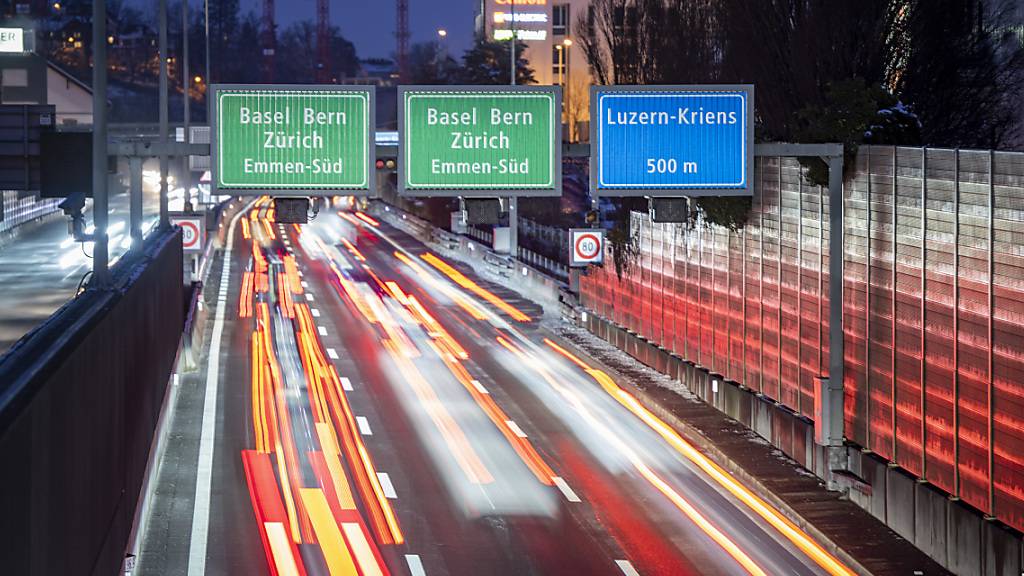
(560, 19)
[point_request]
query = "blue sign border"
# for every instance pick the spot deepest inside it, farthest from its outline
(625, 190)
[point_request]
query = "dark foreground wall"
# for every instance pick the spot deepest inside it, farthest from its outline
(79, 401)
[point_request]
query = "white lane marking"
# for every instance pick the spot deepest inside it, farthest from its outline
(332, 353)
(304, 284)
(346, 384)
(316, 312)
(627, 567)
(415, 565)
(199, 537)
(309, 296)
(364, 426)
(361, 549)
(515, 428)
(566, 491)
(479, 387)
(300, 273)
(386, 485)
(321, 330)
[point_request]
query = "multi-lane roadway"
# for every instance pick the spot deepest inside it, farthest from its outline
(370, 407)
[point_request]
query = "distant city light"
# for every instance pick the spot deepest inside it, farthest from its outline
(536, 17)
(442, 32)
(521, 34)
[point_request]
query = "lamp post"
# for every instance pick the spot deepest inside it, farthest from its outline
(561, 62)
(442, 49)
(564, 62)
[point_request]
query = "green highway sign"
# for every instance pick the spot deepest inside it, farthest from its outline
(280, 140)
(480, 141)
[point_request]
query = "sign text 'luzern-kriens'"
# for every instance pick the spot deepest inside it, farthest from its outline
(292, 138)
(471, 139)
(656, 140)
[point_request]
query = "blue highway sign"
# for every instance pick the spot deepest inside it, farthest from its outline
(672, 140)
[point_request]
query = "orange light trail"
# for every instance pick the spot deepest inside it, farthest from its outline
(789, 530)
(453, 436)
(355, 251)
(351, 219)
(325, 380)
(730, 547)
(367, 219)
(332, 543)
(463, 302)
(292, 270)
(245, 229)
(521, 445)
(284, 446)
(461, 279)
(245, 296)
(284, 297)
(269, 511)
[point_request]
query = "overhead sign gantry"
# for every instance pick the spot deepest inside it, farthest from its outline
(292, 140)
(480, 141)
(672, 140)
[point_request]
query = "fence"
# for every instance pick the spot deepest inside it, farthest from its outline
(933, 307)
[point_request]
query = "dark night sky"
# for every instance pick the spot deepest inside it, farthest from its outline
(370, 24)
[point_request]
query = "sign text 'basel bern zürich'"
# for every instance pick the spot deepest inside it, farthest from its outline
(480, 141)
(302, 139)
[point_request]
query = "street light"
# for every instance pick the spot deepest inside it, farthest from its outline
(442, 32)
(564, 52)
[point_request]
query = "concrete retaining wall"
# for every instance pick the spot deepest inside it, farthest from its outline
(79, 401)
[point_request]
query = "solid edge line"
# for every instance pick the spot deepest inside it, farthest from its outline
(199, 537)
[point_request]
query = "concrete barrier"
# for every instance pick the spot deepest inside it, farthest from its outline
(79, 402)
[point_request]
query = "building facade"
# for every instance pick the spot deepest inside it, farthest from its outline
(548, 29)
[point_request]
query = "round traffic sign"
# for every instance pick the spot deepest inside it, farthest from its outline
(189, 234)
(588, 246)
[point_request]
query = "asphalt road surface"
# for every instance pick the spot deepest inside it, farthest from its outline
(371, 407)
(42, 266)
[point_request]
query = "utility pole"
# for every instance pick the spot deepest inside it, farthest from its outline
(209, 78)
(513, 202)
(164, 222)
(186, 84)
(323, 40)
(402, 36)
(100, 270)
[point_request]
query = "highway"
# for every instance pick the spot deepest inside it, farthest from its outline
(373, 408)
(42, 266)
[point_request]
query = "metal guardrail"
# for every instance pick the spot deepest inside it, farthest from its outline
(544, 263)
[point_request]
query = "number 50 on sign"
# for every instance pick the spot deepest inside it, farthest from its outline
(587, 246)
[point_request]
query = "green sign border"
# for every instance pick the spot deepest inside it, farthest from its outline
(552, 189)
(369, 188)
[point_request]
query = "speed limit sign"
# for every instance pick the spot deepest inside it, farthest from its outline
(191, 231)
(587, 246)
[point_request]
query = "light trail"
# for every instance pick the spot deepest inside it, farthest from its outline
(461, 279)
(365, 218)
(789, 530)
(328, 534)
(681, 503)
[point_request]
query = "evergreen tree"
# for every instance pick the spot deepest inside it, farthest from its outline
(487, 62)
